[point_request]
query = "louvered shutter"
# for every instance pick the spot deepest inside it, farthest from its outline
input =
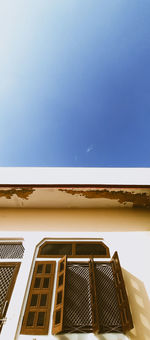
(59, 297)
(126, 317)
(8, 275)
(93, 296)
(37, 312)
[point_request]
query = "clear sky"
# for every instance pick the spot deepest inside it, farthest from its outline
(75, 83)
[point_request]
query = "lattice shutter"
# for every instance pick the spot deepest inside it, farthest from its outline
(59, 297)
(93, 296)
(78, 316)
(11, 250)
(8, 274)
(126, 317)
(37, 313)
(107, 302)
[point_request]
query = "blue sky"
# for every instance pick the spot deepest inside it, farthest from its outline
(75, 83)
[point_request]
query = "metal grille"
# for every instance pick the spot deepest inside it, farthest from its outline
(6, 274)
(11, 251)
(77, 307)
(107, 302)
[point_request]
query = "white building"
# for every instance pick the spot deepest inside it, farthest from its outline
(68, 209)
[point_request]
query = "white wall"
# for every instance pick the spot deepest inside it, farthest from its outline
(132, 246)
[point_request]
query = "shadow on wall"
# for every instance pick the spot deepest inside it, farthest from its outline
(140, 307)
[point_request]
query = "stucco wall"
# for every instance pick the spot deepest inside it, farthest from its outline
(75, 220)
(127, 231)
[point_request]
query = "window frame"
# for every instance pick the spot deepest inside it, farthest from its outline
(73, 255)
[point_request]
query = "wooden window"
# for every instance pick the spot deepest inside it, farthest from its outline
(73, 249)
(8, 275)
(37, 312)
(59, 297)
(91, 297)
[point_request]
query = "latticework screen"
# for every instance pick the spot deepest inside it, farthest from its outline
(6, 274)
(107, 301)
(11, 250)
(77, 307)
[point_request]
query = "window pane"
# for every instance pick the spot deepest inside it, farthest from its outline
(46, 283)
(30, 319)
(39, 268)
(48, 268)
(59, 298)
(90, 249)
(43, 300)
(61, 266)
(57, 249)
(58, 315)
(34, 300)
(60, 280)
(37, 282)
(40, 321)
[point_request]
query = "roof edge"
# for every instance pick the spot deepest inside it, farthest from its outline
(52, 176)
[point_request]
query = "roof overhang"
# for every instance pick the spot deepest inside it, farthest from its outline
(75, 187)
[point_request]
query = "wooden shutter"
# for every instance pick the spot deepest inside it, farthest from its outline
(93, 296)
(59, 297)
(37, 312)
(126, 317)
(8, 275)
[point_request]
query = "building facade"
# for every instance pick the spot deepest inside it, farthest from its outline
(83, 224)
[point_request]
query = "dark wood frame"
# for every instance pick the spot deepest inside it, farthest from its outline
(73, 243)
(16, 266)
(39, 330)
